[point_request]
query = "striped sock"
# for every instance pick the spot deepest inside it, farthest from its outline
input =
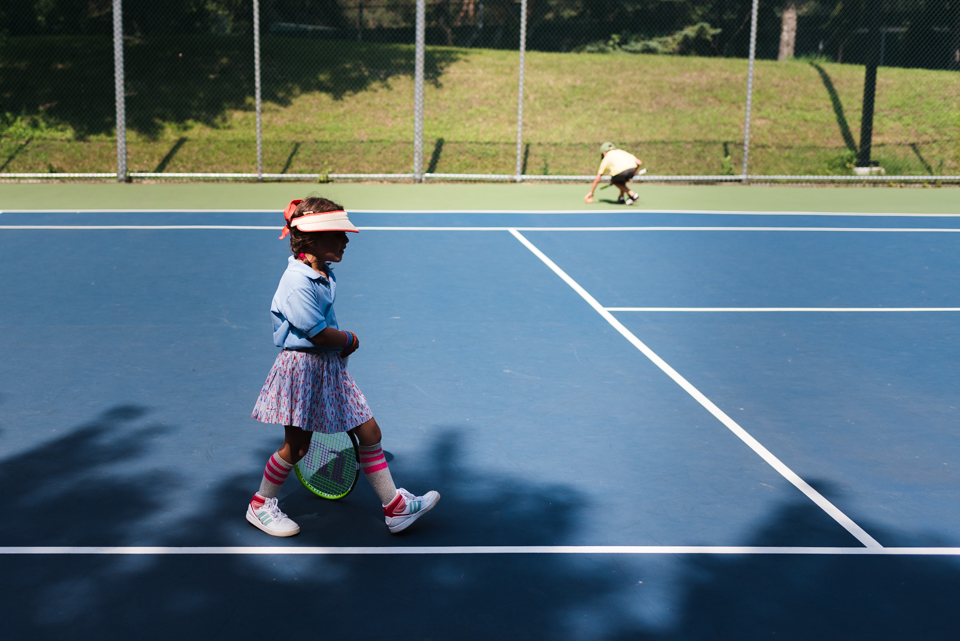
(274, 475)
(374, 465)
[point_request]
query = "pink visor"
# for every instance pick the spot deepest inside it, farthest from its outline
(316, 220)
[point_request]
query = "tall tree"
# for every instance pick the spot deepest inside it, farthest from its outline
(788, 30)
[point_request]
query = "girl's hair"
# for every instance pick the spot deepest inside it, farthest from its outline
(300, 241)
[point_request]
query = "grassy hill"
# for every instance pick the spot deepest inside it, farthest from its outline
(348, 107)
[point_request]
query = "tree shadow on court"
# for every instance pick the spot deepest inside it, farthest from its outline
(78, 489)
(178, 80)
(820, 596)
(70, 494)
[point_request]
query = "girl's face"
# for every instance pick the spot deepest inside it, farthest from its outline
(329, 245)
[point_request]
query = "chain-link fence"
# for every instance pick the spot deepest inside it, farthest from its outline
(489, 89)
(57, 106)
(815, 115)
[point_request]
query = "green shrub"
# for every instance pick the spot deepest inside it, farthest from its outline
(842, 163)
(726, 166)
(694, 40)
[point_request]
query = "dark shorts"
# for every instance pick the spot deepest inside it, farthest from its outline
(623, 177)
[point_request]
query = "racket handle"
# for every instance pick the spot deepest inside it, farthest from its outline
(345, 359)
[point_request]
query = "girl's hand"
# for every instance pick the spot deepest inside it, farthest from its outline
(351, 347)
(588, 198)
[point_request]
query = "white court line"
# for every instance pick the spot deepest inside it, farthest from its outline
(669, 228)
(501, 229)
(859, 533)
(475, 549)
(832, 510)
(782, 309)
(276, 228)
(509, 212)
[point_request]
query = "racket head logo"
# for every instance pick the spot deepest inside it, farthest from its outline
(334, 469)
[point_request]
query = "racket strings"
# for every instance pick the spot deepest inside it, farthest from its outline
(330, 465)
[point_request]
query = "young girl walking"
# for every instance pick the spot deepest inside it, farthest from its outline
(309, 390)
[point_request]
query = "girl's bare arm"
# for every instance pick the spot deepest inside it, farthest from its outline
(331, 338)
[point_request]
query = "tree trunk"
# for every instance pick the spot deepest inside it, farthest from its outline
(467, 13)
(788, 30)
(442, 9)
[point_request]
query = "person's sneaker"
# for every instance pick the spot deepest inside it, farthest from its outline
(632, 198)
(271, 520)
(620, 200)
(405, 508)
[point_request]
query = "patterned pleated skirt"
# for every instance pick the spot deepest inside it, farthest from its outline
(312, 391)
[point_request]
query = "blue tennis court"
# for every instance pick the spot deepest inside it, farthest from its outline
(643, 426)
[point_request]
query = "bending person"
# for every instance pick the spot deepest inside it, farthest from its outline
(622, 166)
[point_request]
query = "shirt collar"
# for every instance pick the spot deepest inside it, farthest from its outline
(303, 268)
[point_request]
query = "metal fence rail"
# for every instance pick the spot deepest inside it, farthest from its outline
(215, 94)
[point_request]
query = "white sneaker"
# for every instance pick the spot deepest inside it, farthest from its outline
(271, 520)
(405, 508)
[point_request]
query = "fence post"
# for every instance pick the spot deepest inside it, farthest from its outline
(753, 55)
(418, 92)
(360, 21)
(869, 83)
(256, 84)
(523, 49)
(119, 89)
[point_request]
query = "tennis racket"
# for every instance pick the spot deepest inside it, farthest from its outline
(330, 468)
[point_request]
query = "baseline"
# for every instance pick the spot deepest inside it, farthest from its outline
(477, 549)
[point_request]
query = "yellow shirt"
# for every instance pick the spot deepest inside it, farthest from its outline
(617, 160)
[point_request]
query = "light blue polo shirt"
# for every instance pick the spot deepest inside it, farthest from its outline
(302, 307)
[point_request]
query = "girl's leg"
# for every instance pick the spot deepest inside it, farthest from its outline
(263, 511)
(296, 442)
(373, 461)
(400, 507)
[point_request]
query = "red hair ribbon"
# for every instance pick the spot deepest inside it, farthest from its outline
(288, 214)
